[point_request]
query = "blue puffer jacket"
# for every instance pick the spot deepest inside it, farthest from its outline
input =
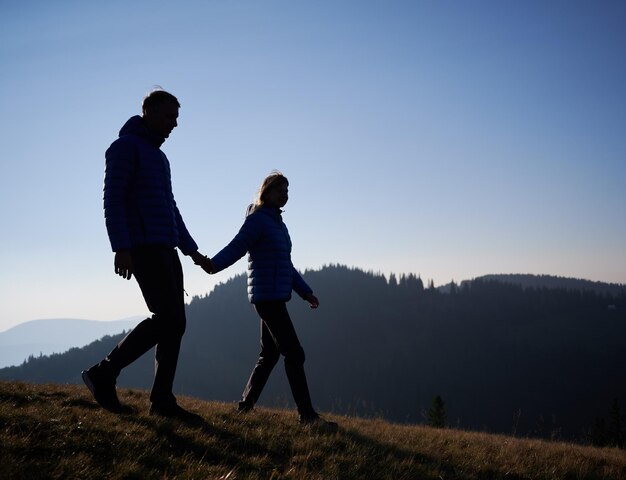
(271, 275)
(139, 206)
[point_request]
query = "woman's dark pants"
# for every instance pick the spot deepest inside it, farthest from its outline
(279, 337)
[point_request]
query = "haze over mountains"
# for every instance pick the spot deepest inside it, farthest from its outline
(506, 358)
(44, 337)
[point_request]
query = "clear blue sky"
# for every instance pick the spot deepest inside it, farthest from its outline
(447, 139)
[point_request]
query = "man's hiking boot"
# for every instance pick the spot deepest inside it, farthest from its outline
(176, 412)
(103, 389)
(318, 424)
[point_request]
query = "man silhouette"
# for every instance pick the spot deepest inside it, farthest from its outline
(145, 228)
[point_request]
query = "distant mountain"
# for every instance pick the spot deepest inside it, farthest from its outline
(44, 337)
(504, 358)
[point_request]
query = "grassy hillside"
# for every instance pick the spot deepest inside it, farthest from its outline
(54, 431)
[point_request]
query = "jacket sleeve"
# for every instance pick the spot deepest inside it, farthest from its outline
(120, 163)
(187, 244)
(299, 285)
(248, 235)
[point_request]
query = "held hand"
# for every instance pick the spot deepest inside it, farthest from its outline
(313, 301)
(207, 266)
(205, 262)
(123, 264)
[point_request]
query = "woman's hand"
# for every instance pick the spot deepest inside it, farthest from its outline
(312, 299)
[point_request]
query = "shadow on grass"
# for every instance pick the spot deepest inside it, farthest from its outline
(434, 468)
(81, 403)
(228, 448)
(20, 398)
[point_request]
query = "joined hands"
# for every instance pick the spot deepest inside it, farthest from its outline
(205, 262)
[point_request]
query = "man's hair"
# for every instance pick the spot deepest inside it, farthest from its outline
(156, 98)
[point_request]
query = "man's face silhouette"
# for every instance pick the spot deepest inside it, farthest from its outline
(162, 118)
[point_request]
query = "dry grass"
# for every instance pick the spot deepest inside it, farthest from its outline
(52, 431)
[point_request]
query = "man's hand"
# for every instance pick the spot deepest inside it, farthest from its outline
(205, 262)
(312, 299)
(124, 264)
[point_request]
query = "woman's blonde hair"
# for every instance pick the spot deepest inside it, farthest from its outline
(273, 180)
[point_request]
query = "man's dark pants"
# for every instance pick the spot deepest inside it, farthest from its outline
(160, 276)
(279, 337)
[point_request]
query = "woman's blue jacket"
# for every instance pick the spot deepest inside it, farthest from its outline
(271, 275)
(139, 206)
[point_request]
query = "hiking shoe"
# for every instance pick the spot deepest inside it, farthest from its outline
(318, 423)
(175, 411)
(244, 407)
(103, 390)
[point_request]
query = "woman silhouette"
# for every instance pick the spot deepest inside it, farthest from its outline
(271, 279)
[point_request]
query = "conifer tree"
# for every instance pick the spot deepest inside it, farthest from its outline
(437, 413)
(419, 284)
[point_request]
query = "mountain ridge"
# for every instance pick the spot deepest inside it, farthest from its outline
(529, 280)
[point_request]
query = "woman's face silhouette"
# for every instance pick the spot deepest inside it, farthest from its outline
(277, 196)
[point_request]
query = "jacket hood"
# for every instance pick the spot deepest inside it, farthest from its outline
(136, 126)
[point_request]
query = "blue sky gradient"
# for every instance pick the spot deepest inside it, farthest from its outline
(447, 139)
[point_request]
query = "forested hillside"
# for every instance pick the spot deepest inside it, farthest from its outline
(530, 361)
